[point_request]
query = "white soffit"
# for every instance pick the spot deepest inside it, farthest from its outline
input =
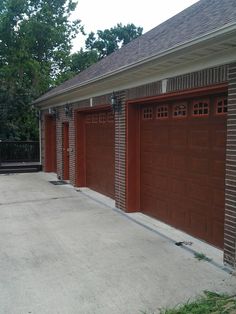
(192, 58)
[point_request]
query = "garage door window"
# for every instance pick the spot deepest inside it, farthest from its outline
(180, 110)
(102, 117)
(95, 118)
(162, 112)
(200, 108)
(221, 106)
(147, 113)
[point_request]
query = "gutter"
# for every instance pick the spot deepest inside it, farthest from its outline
(227, 29)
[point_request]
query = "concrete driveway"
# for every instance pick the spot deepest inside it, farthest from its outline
(63, 252)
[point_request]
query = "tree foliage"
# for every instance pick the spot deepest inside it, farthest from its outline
(83, 59)
(102, 44)
(78, 62)
(35, 44)
(107, 41)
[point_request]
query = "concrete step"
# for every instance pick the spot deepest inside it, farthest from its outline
(4, 169)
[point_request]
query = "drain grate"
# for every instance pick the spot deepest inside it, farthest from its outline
(58, 182)
(183, 243)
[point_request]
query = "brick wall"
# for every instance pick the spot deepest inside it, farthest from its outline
(72, 148)
(148, 90)
(198, 79)
(59, 140)
(230, 189)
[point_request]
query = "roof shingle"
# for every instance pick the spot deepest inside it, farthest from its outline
(201, 18)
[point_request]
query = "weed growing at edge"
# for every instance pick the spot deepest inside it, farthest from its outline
(201, 257)
(211, 302)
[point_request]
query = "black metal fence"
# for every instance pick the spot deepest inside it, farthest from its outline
(12, 151)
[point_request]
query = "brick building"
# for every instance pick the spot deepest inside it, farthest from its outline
(169, 149)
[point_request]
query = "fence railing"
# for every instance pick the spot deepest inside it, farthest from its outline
(13, 151)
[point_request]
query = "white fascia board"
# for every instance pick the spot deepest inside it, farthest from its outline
(181, 69)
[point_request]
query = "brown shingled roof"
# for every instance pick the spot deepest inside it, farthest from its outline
(201, 18)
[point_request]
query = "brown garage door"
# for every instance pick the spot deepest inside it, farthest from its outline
(100, 152)
(183, 165)
(50, 144)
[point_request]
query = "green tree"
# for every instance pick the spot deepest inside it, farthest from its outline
(78, 62)
(35, 44)
(100, 45)
(83, 59)
(107, 41)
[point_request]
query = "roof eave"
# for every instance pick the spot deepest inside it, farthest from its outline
(227, 29)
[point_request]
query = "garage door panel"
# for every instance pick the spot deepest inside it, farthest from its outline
(198, 224)
(182, 171)
(217, 167)
(218, 199)
(178, 187)
(162, 209)
(160, 136)
(198, 164)
(217, 231)
(216, 182)
(218, 143)
(147, 177)
(147, 200)
(147, 158)
(160, 158)
(160, 183)
(199, 179)
(178, 137)
(146, 137)
(50, 144)
(179, 213)
(178, 161)
(199, 138)
(219, 138)
(147, 189)
(218, 213)
(199, 207)
(199, 192)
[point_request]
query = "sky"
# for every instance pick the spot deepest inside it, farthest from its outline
(101, 14)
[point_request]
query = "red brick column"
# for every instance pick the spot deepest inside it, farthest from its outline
(120, 154)
(59, 143)
(230, 180)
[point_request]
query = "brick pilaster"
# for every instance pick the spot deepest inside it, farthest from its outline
(120, 154)
(230, 180)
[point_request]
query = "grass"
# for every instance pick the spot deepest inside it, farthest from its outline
(210, 303)
(201, 257)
